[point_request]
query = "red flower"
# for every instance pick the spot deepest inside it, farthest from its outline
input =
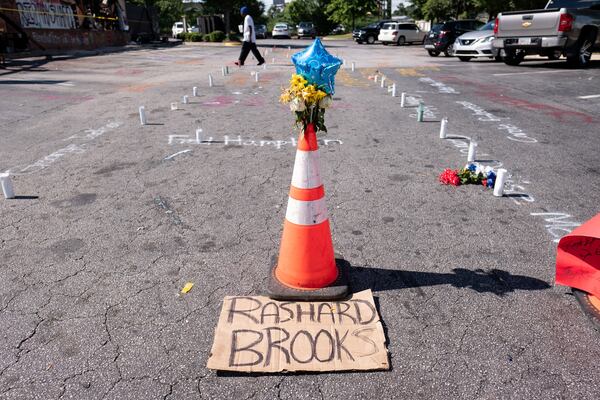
(484, 182)
(450, 177)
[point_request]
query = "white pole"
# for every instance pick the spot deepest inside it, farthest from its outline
(210, 80)
(402, 99)
(223, 71)
(195, 91)
(499, 184)
(376, 77)
(472, 151)
(7, 187)
(353, 66)
(199, 135)
(443, 128)
(394, 90)
(173, 106)
(383, 81)
(256, 77)
(142, 115)
(184, 100)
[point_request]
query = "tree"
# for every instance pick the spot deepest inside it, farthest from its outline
(346, 11)
(401, 10)
(438, 10)
(230, 10)
(169, 11)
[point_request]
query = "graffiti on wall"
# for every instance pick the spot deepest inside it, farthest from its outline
(49, 14)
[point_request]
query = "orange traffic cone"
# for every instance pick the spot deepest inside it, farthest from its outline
(307, 268)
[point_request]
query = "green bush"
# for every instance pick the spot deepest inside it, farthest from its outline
(181, 36)
(233, 37)
(217, 36)
(194, 37)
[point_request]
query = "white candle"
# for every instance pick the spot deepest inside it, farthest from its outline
(199, 135)
(376, 77)
(256, 77)
(184, 100)
(402, 99)
(353, 66)
(394, 90)
(173, 106)
(383, 81)
(195, 91)
(210, 80)
(499, 184)
(443, 128)
(142, 115)
(223, 71)
(7, 187)
(472, 151)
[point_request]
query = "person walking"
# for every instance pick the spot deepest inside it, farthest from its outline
(249, 41)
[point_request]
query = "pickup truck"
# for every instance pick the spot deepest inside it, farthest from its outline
(565, 27)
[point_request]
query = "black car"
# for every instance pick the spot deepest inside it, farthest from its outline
(442, 36)
(369, 33)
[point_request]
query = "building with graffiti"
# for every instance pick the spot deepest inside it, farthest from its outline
(46, 25)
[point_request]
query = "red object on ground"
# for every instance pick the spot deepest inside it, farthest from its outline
(578, 258)
(450, 177)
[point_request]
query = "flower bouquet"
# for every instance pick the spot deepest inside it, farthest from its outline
(307, 101)
(471, 174)
(311, 88)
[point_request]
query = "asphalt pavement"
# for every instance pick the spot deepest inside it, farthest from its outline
(113, 218)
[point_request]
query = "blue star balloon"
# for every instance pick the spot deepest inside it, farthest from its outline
(317, 66)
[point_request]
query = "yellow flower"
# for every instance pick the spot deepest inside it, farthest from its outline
(309, 94)
(285, 97)
(320, 95)
(298, 80)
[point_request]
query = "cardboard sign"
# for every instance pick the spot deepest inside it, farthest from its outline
(578, 258)
(257, 334)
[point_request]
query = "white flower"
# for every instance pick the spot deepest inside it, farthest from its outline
(325, 102)
(297, 105)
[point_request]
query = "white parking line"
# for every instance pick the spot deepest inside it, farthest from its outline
(527, 73)
(591, 96)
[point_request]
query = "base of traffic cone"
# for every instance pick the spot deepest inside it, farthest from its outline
(335, 291)
(590, 305)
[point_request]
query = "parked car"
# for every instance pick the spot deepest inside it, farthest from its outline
(477, 44)
(177, 29)
(338, 30)
(564, 27)
(193, 29)
(401, 33)
(369, 33)
(281, 30)
(261, 31)
(441, 38)
(306, 29)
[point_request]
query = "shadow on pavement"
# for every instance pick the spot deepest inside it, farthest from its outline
(558, 64)
(31, 82)
(494, 281)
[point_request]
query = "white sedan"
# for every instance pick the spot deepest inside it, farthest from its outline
(281, 30)
(476, 44)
